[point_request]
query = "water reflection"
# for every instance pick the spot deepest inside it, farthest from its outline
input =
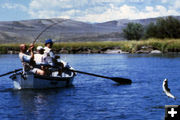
(41, 104)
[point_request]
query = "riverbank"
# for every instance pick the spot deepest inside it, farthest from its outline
(143, 46)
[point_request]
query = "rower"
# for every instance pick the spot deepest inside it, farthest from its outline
(28, 60)
(51, 58)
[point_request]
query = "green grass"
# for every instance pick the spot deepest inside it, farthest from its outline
(5, 47)
(165, 45)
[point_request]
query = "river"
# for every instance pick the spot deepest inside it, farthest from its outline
(93, 98)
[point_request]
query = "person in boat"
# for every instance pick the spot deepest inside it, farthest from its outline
(50, 56)
(39, 57)
(40, 61)
(28, 60)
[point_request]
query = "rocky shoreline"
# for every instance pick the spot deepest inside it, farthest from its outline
(108, 50)
(118, 47)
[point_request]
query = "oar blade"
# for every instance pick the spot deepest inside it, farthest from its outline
(121, 80)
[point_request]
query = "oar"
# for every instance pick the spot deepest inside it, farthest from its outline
(16, 70)
(116, 79)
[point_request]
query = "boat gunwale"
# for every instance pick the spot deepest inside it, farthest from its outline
(53, 78)
(50, 78)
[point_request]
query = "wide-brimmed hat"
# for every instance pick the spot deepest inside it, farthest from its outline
(48, 41)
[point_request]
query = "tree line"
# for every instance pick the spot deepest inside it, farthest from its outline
(164, 27)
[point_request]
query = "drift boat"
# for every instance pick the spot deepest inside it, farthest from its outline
(29, 80)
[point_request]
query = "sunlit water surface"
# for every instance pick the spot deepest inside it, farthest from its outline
(93, 98)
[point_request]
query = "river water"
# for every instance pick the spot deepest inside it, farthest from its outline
(93, 98)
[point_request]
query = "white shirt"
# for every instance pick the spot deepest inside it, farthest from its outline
(25, 59)
(49, 52)
(39, 59)
(49, 55)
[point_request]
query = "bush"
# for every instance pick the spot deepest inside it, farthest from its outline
(133, 31)
(168, 27)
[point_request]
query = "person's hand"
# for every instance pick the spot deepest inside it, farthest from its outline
(31, 46)
(57, 57)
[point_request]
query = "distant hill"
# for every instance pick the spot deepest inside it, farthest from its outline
(69, 30)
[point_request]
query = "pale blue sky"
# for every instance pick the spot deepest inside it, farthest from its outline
(87, 10)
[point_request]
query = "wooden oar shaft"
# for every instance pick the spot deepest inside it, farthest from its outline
(115, 79)
(10, 72)
(91, 74)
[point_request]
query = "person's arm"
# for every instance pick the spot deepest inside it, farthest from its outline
(32, 62)
(26, 58)
(51, 54)
(32, 55)
(31, 51)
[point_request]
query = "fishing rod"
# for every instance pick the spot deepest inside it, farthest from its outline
(48, 27)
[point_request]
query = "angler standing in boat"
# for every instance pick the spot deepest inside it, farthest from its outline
(28, 60)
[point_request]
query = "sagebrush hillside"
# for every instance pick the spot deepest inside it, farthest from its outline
(67, 31)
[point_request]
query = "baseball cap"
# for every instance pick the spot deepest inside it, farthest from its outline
(40, 48)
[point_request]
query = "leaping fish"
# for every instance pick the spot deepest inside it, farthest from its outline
(167, 90)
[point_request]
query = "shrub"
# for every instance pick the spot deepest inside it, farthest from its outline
(133, 31)
(168, 27)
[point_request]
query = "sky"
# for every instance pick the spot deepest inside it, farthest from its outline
(93, 11)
